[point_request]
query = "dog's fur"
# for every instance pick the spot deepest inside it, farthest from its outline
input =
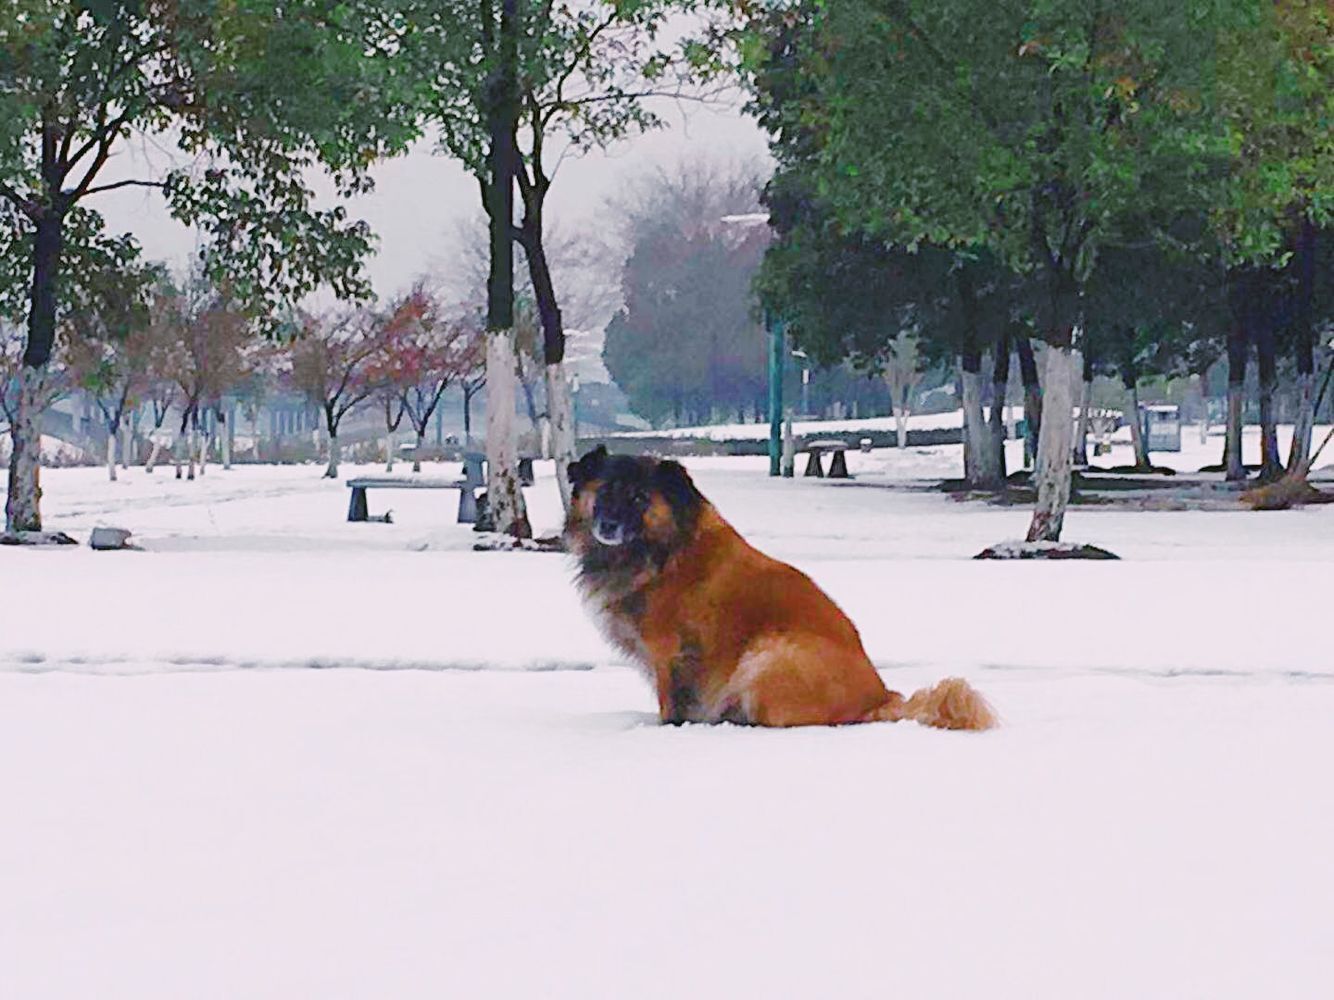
(726, 633)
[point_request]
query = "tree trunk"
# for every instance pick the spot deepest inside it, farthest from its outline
(192, 451)
(978, 463)
(467, 418)
(1054, 445)
(153, 450)
(24, 495)
(335, 453)
(226, 436)
(505, 502)
(1241, 293)
(1130, 380)
(417, 452)
(23, 503)
(900, 426)
(111, 454)
(1028, 374)
(1271, 466)
(1303, 349)
(560, 406)
(1000, 381)
(389, 452)
(1085, 402)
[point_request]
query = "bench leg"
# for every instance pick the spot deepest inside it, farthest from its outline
(467, 506)
(356, 508)
(814, 467)
(838, 466)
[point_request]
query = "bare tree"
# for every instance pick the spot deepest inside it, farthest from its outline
(332, 362)
(206, 359)
(422, 351)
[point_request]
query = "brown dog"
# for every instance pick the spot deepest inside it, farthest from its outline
(726, 633)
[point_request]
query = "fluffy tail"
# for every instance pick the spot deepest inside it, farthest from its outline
(951, 704)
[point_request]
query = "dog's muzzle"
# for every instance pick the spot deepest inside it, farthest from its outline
(609, 533)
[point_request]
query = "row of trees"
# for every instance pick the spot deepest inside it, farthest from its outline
(253, 95)
(1140, 186)
(185, 351)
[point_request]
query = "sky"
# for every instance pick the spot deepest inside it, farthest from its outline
(422, 201)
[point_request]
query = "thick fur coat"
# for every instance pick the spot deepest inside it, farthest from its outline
(724, 632)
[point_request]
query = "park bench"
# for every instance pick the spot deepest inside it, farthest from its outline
(357, 510)
(474, 478)
(838, 463)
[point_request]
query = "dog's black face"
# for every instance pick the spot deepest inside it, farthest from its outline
(627, 508)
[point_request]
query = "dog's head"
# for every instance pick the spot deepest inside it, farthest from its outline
(627, 508)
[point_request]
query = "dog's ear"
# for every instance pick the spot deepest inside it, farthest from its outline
(676, 486)
(588, 467)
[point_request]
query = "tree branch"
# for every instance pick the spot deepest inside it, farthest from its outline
(121, 184)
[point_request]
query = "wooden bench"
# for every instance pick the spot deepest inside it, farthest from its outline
(838, 464)
(357, 511)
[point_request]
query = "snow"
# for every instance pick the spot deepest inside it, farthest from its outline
(948, 420)
(456, 807)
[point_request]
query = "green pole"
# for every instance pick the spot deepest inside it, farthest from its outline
(777, 353)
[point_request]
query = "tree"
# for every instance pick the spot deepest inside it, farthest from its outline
(1030, 130)
(1277, 101)
(204, 354)
(332, 363)
(109, 346)
(421, 352)
(688, 339)
(252, 94)
(903, 374)
(509, 81)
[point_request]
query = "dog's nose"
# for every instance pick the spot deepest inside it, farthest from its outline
(608, 532)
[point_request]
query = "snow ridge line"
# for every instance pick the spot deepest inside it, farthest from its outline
(1166, 673)
(133, 666)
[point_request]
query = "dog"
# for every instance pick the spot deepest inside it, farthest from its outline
(724, 632)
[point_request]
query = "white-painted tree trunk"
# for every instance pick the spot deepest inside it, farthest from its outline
(178, 449)
(1300, 451)
(504, 498)
(335, 453)
(560, 409)
(900, 424)
(111, 455)
(126, 445)
(417, 451)
(192, 452)
(1082, 428)
(788, 464)
(227, 439)
(979, 463)
(23, 502)
(389, 452)
(153, 450)
(1054, 460)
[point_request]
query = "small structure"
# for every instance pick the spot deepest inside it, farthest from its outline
(838, 464)
(1162, 427)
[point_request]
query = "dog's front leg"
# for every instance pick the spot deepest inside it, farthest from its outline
(679, 684)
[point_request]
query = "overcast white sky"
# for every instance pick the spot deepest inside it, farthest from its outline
(421, 198)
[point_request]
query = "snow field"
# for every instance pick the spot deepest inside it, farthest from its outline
(460, 807)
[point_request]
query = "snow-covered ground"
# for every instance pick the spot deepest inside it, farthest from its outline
(459, 806)
(947, 420)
